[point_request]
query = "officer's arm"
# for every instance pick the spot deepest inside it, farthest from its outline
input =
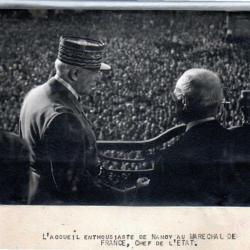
(65, 146)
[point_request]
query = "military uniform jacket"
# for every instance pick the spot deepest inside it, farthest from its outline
(62, 143)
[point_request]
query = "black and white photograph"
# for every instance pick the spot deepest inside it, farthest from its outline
(124, 107)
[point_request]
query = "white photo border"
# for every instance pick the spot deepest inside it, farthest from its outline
(199, 5)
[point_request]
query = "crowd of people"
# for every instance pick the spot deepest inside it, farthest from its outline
(148, 51)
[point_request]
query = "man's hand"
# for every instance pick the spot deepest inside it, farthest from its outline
(142, 182)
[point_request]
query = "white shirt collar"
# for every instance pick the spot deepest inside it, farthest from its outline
(67, 86)
(194, 123)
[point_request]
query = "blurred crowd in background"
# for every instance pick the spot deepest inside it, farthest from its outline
(148, 51)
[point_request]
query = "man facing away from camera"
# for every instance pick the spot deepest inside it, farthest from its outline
(195, 170)
(60, 137)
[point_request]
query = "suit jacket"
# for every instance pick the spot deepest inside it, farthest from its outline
(241, 164)
(62, 144)
(196, 169)
(241, 141)
(14, 169)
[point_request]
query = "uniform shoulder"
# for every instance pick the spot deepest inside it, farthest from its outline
(53, 110)
(64, 127)
(62, 118)
(36, 90)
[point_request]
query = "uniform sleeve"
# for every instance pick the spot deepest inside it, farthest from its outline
(65, 141)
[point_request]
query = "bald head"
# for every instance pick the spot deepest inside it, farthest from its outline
(201, 90)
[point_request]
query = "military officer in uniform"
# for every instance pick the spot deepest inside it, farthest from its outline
(60, 137)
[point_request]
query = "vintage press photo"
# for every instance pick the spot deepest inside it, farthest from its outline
(128, 114)
(125, 107)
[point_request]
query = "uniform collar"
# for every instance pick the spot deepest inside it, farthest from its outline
(67, 86)
(194, 123)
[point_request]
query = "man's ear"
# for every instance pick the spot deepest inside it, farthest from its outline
(73, 75)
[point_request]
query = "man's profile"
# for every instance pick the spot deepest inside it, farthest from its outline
(61, 138)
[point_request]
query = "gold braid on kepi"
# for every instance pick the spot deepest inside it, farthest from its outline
(82, 52)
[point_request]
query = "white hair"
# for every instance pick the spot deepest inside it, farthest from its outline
(201, 87)
(62, 69)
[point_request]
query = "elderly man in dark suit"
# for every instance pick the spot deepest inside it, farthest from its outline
(61, 139)
(195, 170)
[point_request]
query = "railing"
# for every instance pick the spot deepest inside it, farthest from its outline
(135, 159)
(142, 145)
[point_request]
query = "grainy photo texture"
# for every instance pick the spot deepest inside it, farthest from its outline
(125, 107)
